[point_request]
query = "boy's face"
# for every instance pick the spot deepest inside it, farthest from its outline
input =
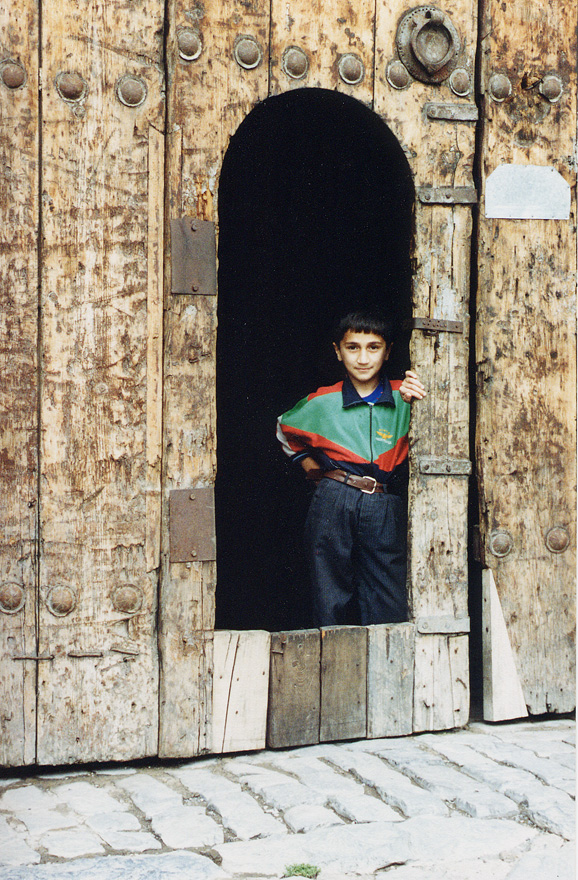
(363, 356)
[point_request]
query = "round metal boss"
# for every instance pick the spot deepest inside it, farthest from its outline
(557, 539)
(501, 543)
(12, 598)
(60, 601)
(428, 43)
(295, 62)
(247, 52)
(397, 75)
(551, 87)
(127, 598)
(13, 75)
(460, 82)
(500, 87)
(351, 69)
(70, 86)
(131, 90)
(190, 44)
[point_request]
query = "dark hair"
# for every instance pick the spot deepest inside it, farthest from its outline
(362, 322)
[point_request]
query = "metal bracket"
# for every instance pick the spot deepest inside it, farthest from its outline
(434, 325)
(452, 112)
(456, 467)
(445, 625)
(192, 525)
(447, 195)
(193, 257)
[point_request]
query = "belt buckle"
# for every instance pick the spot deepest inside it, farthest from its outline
(372, 490)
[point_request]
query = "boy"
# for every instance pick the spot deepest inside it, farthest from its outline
(352, 437)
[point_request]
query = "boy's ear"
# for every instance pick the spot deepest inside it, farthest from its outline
(337, 352)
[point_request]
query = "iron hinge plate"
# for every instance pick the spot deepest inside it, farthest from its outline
(443, 625)
(452, 112)
(192, 525)
(447, 195)
(434, 325)
(452, 467)
(193, 257)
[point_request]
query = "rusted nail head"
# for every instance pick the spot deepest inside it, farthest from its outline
(195, 288)
(60, 601)
(460, 82)
(192, 496)
(247, 52)
(397, 75)
(70, 86)
(190, 44)
(13, 75)
(551, 87)
(12, 598)
(194, 226)
(295, 62)
(351, 69)
(557, 539)
(131, 90)
(500, 87)
(193, 552)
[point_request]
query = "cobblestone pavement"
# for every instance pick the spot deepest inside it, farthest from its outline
(491, 802)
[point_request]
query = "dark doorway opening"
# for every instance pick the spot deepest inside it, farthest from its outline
(315, 213)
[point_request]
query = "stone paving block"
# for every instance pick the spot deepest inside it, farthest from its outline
(164, 866)
(367, 848)
(239, 811)
(393, 787)
(72, 844)
(86, 799)
(13, 848)
(493, 869)
(27, 797)
(182, 827)
(431, 772)
(514, 755)
(131, 841)
(548, 808)
(363, 808)
(149, 794)
(315, 774)
(548, 860)
(307, 817)
(281, 792)
(38, 822)
(103, 823)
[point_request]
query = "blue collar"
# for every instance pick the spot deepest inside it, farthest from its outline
(351, 397)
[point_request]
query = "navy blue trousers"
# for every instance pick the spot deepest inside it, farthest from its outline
(357, 551)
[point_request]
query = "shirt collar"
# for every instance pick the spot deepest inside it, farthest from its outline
(351, 397)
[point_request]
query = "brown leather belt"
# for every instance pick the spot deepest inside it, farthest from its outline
(368, 485)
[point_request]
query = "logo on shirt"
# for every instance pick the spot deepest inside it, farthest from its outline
(384, 435)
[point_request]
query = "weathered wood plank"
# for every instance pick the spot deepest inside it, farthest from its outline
(390, 679)
(100, 179)
(503, 695)
(343, 683)
(526, 357)
(294, 689)
(334, 51)
(441, 689)
(441, 153)
(18, 369)
(240, 690)
(207, 98)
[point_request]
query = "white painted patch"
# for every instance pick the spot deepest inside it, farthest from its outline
(527, 192)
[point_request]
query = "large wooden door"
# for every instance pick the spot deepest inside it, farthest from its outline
(526, 357)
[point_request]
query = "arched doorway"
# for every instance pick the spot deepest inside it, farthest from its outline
(315, 212)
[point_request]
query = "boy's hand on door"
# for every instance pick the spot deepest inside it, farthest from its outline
(411, 388)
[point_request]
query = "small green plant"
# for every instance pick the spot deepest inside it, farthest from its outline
(302, 871)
